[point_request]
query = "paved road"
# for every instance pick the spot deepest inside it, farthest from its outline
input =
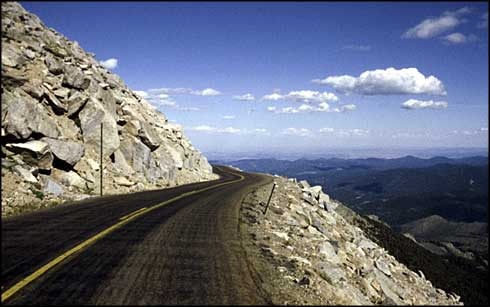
(187, 251)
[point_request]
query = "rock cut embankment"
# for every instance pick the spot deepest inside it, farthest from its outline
(54, 98)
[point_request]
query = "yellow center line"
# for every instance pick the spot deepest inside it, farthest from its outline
(132, 213)
(123, 220)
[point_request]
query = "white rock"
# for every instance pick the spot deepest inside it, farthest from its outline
(25, 174)
(123, 181)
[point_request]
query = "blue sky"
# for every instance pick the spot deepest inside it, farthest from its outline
(297, 76)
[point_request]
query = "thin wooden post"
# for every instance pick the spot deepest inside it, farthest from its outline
(272, 191)
(101, 154)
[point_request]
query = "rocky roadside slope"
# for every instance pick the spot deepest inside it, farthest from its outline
(54, 98)
(306, 250)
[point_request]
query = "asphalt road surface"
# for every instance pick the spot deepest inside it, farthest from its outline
(134, 250)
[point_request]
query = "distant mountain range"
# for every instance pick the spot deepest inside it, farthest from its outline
(404, 192)
(317, 165)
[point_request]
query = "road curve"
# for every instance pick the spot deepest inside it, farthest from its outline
(184, 251)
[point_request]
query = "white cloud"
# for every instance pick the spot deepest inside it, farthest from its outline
(202, 128)
(359, 132)
(343, 132)
(109, 63)
(326, 130)
(142, 94)
(304, 96)
(362, 48)
(163, 96)
(186, 109)
(305, 108)
(458, 38)
(432, 27)
(229, 117)
(311, 96)
(348, 107)
(297, 132)
(244, 97)
(410, 135)
(185, 90)
(214, 130)
(455, 38)
(273, 97)
(208, 92)
(481, 131)
(171, 91)
(413, 104)
(260, 130)
(388, 81)
(229, 130)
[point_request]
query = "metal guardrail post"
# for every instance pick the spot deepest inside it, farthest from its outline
(267, 206)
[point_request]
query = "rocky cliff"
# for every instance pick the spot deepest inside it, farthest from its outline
(306, 249)
(55, 96)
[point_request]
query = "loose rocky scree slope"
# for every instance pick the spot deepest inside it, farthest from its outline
(54, 98)
(306, 252)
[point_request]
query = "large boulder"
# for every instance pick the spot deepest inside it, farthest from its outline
(54, 102)
(148, 136)
(69, 179)
(54, 66)
(25, 116)
(67, 151)
(76, 102)
(91, 116)
(74, 78)
(135, 153)
(34, 153)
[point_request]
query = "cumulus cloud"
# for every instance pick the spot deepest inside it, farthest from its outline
(432, 27)
(273, 97)
(388, 81)
(297, 132)
(208, 92)
(244, 97)
(109, 63)
(362, 48)
(308, 96)
(229, 117)
(413, 104)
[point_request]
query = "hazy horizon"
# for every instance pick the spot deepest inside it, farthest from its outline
(350, 153)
